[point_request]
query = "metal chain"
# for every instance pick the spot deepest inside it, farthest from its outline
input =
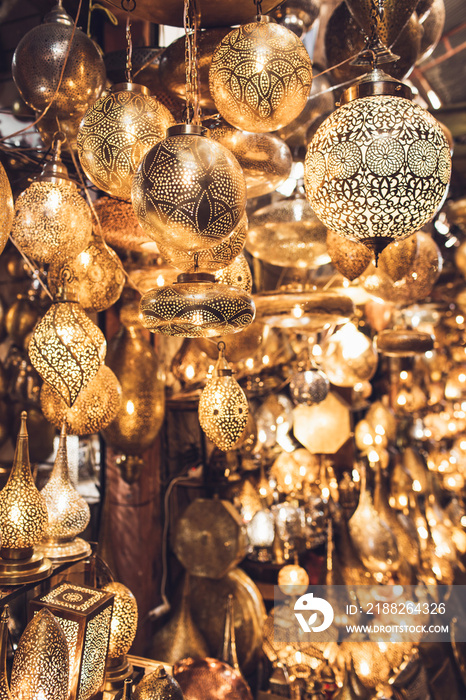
(129, 51)
(191, 21)
(258, 4)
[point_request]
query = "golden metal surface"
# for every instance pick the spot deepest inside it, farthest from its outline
(210, 678)
(302, 309)
(404, 342)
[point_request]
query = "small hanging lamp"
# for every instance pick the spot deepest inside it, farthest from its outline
(223, 407)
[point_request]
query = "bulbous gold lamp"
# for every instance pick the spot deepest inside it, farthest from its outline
(189, 191)
(41, 664)
(116, 132)
(378, 167)
(52, 221)
(123, 628)
(6, 208)
(260, 76)
(23, 519)
(223, 406)
(68, 513)
(67, 348)
(95, 407)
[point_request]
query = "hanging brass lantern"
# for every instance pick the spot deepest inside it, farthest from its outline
(6, 208)
(223, 407)
(67, 348)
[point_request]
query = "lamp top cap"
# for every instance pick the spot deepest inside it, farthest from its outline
(376, 82)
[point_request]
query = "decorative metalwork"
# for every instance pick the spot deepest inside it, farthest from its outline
(6, 208)
(431, 15)
(200, 678)
(260, 77)
(223, 406)
(84, 615)
(67, 349)
(52, 221)
(298, 15)
(38, 62)
(96, 274)
(349, 257)
(41, 666)
(210, 259)
(377, 169)
(120, 227)
(196, 306)
(4, 684)
(303, 309)
(95, 407)
(68, 513)
(158, 685)
(23, 519)
(142, 408)
(288, 234)
(385, 18)
(124, 619)
(404, 342)
(236, 274)
(265, 159)
(309, 386)
(293, 579)
(116, 133)
(189, 191)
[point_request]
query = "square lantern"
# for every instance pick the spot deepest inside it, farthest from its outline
(84, 615)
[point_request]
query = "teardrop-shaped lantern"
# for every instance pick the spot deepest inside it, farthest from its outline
(95, 407)
(41, 663)
(158, 685)
(123, 628)
(68, 512)
(23, 518)
(196, 306)
(142, 408)
(223, 407)
(67, 348)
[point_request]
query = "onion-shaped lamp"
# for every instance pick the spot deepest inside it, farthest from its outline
(41, 666)
(67, 348)
(309, 386)
(158, 685)
(96, 273)
(116, 132)
(6, 208)
(378, 168)
(38, 63)
(52, 221)
(123, 628)
(260, 76)
(23, 519)
(189, 191)
(223, 406)
(95, 407)
(196, 306)
(68, 512)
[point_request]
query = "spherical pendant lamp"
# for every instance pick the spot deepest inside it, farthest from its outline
(261, 76)
(223, 407)
(196, 306)
(116, 132)
(52, 221)
(378, 168)
(237, 274)
(6, 208)
(38, 62)
(189, 191)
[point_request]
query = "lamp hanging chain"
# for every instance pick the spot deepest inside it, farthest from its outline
(258, 4)
(191, 21)
(129, 51)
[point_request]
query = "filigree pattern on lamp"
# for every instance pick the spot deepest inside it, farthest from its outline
(124, 619)
(210, 259)
(116, 133)
(377, 168)
(52, 221)
(67, 349)
(196, 309)
(41, 664)
(6, 208)
(119, 225)
(260, 77)
(189, 192)
(237, 274)
(95, 407)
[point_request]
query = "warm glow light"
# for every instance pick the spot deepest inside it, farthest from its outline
(129, 408)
